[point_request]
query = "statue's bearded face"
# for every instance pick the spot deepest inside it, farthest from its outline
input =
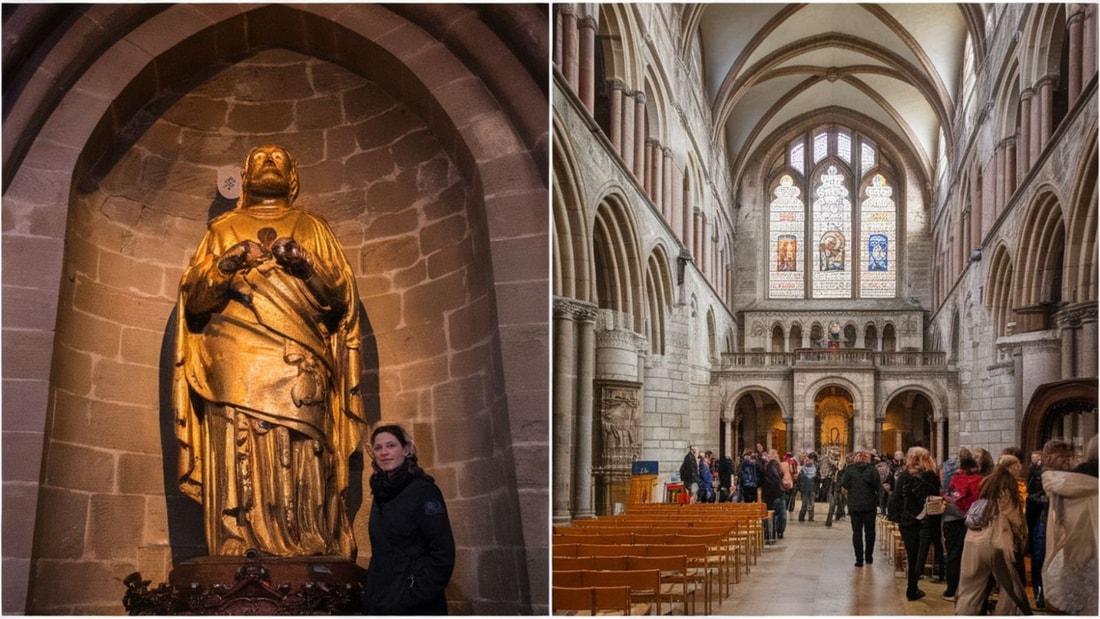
(269, 171)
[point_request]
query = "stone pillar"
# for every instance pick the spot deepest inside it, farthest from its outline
(1018, 384)
(1046, 109)
(977, 231)
(558, 24)
(1087, 348)
(676, 191)
(941, 438)
(704, 246)
(587, 70)
(565, 400)
(569, 45)
(1035, 140)
(639, 135)
(582, 457)
(666, 185)
(999, 166)
(1023, 150)
(1088, 51)
(989, 212)
(878, 435)
(615, 111)
(652, 169)
(1069, 354)
(1076, 51)
(689, 224)
(1010, 169)
(629, 108)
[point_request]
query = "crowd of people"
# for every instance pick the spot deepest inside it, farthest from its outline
(978, 514)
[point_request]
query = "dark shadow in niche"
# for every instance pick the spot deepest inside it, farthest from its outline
(186, 534)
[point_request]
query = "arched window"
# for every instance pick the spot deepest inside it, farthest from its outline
(843, 243)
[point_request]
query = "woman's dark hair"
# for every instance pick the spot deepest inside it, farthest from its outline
(402, 437)
(967, 462)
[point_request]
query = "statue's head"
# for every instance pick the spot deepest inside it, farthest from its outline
(269, 172)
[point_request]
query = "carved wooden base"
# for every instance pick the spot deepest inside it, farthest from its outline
(257, 585)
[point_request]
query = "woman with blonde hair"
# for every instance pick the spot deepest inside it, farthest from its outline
(992, 549)
(917, 481)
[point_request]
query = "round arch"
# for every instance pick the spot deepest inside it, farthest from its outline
(572, 264)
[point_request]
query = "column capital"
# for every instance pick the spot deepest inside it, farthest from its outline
(1078, 14)
(587, 21)
(668, 152)
(573, 309)
(1027, 93)
(616, 83)
(639, 96)
(1074, 315)
(1050, 79)
(566, 9)
(652, 142)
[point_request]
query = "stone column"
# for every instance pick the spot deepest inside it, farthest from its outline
(941, 437)
(1018, 384)
(1035, 140)
(1010, 169)
(1087, 349)
(989, 212)
(676, 191)
(1046, 109)
(1069, 354)
(1023, 148)
(565, 397)
(587, 71)
(569, 45)
(582, 457)
(627, 151)
(615, 111)
(689, 224)
(696, 237)
(652, 161)
(704, 249)
(639, 135)
(558, 24)
(1001, 187)
(1076, 27)
(1088, 51)
(976, 228)
(666, 185)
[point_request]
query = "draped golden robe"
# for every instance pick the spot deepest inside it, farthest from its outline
(265, 390)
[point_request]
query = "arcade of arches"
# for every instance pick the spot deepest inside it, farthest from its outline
(770, 230)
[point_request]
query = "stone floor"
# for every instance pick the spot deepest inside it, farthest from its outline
(812, 572)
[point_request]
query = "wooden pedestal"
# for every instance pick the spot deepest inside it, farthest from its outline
(251, 585)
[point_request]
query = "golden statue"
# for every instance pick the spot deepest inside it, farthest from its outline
(267, 364)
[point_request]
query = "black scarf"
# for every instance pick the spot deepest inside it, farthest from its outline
(386, 486)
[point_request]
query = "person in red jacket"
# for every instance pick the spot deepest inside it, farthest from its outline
(962, 491)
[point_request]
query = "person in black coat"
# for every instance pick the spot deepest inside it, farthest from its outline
(917, 481)
(861, 484)
(412, 547)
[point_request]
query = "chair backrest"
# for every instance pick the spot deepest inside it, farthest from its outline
(567, 578)
(606, 550)
(618, 562)
(590, 599)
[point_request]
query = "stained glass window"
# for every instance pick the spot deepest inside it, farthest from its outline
(787, 247)
(878, 222)
(832, 233)
(842, 244)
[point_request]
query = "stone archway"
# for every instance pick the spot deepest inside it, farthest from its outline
(834, 421)
(909, 420)
(1064, 410)
(758, 418)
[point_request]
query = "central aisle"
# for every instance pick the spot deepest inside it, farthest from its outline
(812, 572)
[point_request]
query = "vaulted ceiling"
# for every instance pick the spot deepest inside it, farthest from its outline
(898, 65)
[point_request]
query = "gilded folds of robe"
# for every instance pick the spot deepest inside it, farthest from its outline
(266, 391)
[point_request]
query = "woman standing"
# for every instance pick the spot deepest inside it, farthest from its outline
(412, 548)
(917, 481)
(992, 549)
(961, 494)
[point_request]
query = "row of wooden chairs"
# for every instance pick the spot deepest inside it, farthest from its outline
(592, 601)
(700, 569)
(675, 584)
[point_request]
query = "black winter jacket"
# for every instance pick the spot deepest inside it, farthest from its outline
(861, 480)
(907, 500)
(412, 551)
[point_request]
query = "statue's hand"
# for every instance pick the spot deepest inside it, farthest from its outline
(243, 255)
(292, 257)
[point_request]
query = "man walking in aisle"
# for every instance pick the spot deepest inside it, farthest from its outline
(861, 484)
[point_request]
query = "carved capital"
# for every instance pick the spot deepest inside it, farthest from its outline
(572, 309)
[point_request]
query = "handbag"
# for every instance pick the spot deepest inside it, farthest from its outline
(934, 506)
(976, 516)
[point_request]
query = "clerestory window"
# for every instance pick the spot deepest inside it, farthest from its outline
(833, 219)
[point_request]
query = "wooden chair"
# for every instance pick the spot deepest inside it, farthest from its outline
(675, 584)
(590, 601)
